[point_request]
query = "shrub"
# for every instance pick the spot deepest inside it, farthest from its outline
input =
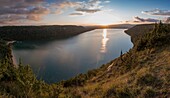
(149, 93)
(157, 37)
(119, 92)
(148, 80)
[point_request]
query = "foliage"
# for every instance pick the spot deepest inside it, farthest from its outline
(19, 81)
(118, 92)
(5, 51)
(148, 80)
(80, 80)
(157, 37)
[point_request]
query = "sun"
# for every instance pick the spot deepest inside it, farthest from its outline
(103, 18)
(104, 21)
(104, 24)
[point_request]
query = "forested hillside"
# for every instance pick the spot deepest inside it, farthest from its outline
(5, 52)
(137, 31)
(40, 32)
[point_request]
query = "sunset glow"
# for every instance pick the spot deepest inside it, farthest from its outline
(83, 12)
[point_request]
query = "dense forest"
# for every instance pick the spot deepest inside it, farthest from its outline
(40, 32)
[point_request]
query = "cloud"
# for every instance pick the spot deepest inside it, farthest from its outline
(58, 8)
(34, 1)
(14, 11)
(167, 20)
(91, 6)
(68, 4)
(88, 7)
(107, 1)
(34, 17)
(157, 12)
(87, 10)
(39, 10)
(76, 14)
(12, 19)
(138, 19)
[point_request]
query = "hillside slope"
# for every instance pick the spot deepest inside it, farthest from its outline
(143, 74)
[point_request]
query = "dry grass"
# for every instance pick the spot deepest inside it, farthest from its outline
(147, 79)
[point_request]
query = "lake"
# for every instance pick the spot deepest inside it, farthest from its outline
(57, 60)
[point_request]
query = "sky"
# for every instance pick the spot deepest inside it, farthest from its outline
(83, 12)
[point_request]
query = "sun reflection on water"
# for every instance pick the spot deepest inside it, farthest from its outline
(104, 41)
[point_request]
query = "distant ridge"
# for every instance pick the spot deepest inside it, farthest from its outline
(113, 26)
(126, 26)
(139, 30)
(40, 32)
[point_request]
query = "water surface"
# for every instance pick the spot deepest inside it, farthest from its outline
(59, 60)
